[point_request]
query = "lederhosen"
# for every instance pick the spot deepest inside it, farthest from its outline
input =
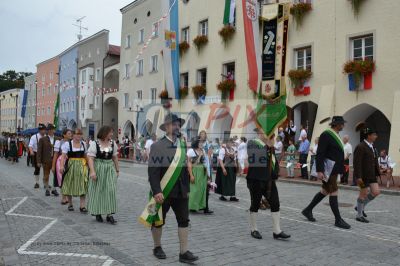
(261, 176)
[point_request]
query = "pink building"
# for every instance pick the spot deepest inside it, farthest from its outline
(47, 89)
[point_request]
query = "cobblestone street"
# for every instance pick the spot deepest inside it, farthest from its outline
(35, 229)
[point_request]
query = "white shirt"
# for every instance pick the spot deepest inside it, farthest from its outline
(278, 147)
(348, 150)
(242, 151)
(221, 154)
(33, 142)
(57, 146)
(148, 144)
(65, 147)
(314, 149)
(303, 133)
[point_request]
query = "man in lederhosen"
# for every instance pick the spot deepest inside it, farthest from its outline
(329, 166)
(162, 168)
(44, 157)
(262, 172)
(366, 171)
(33, 146)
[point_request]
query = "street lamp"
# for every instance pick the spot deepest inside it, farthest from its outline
(137, 111)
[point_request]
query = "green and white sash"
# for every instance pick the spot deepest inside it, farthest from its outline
(152, 214)
(336, 137)
(261, 144)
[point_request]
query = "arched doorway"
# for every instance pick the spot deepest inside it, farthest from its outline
(192, 125)
(72, 124)
(371, 116)
(304, 114)
(147, 128)
(129, 130)
(221, 127)
(110, 113)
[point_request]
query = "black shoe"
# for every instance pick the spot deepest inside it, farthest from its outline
(99, 218)
(158, 252)
(54, 192)
(256, 234)
(187, 257)
(308, 215)
(363, 213)
(83, 210)
(222, 198)
(362, 219)
(342, 224)
(234, 199)
(208, 211)
(36, 185)
(281, 235)
(110, 219)
(71, 208)
(47, 193)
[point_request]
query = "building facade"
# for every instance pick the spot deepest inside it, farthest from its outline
(91, 55)
(68, 88)
(47, 89)
(350, 38)
(9, 105)
(29, 120)
(141, 71)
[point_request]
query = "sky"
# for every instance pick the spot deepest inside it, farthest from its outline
(33, 31)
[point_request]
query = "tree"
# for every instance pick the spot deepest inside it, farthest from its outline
(12, 79)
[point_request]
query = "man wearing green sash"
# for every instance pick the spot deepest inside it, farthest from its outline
(329, 166)
(261, 176)
(169, 181)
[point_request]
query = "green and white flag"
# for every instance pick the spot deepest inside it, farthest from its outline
(56, 112)
(152, 214)
(229, 12)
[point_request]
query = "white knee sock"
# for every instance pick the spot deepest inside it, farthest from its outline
(156, 233)
(253, 221)
(276, 222)
(183, 233)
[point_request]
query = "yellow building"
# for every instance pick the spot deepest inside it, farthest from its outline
(8, 108)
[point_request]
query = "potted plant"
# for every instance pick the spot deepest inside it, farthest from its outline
(226, 86)
(299, 10)
(355, 5)
(198, 91)
(183, 92)
(183, 47)
(297, 77)
(200, 41)
(227, 33)
(356, 69)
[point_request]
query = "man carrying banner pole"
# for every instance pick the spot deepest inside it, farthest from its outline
(261, 176)
(169, 181)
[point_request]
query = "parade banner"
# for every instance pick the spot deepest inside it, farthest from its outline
(24, 100)
(271, 107)
(56, 111)
(170, 49)
(229, 12)
(252, 42)
(152, 214)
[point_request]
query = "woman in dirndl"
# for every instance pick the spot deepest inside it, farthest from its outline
(226, 172)
(74, 170)
(198, 167)
(104, 169)
(13, 148)
(57, 181)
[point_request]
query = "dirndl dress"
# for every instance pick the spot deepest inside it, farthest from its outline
(102, 191)
(198, 190)
(226, 185)
(75, 179)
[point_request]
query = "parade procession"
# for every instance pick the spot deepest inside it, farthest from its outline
(200, 132)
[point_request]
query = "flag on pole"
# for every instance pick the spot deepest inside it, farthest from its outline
(252, 42)
(56, 113)
(170, 49)
(229, 12)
